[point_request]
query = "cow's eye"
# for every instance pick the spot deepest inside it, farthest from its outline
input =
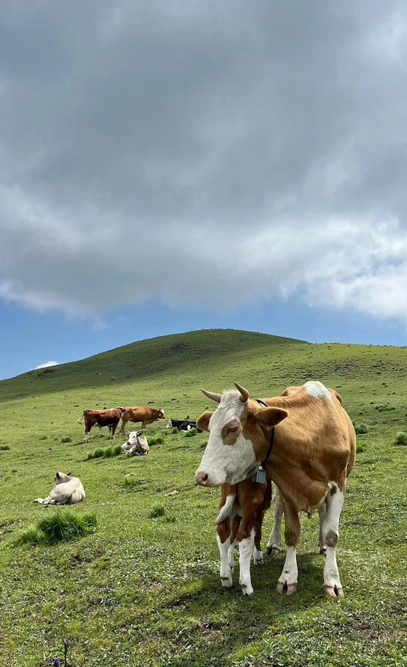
(233, 429)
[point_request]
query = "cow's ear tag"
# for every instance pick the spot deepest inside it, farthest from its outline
(260, 476)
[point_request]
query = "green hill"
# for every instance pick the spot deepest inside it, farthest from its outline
(144, 589)
(163, 356)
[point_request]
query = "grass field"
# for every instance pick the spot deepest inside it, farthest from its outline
(144, 588)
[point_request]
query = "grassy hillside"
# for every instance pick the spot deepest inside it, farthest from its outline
(144, 588)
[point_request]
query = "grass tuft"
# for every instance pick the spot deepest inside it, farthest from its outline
(4, 448)
(62, 525)
(361, 429)
(66, 439)
(106, 453)
(401, 438)
(65, 525)
(157, 511)
(156, 441)
(191, 433)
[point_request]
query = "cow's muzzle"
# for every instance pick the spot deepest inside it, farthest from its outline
(202, 478)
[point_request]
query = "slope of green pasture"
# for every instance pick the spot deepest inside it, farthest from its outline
(146, 591)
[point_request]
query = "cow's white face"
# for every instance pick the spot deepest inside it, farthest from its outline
(169, 425)
(132, 438)
(229, 456)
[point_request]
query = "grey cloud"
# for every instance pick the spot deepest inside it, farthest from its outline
(182, 150)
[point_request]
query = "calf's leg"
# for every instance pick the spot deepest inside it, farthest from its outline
(226, 546)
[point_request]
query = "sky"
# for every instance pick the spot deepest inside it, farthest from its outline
(167, 166)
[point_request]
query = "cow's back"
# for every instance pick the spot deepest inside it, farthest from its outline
(314, 445)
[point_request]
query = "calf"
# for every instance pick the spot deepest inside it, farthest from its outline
(240, 520)
(67, 490)
(183, 426)
(136, 445)
(143, 415)
(310, 461)
(109, 418)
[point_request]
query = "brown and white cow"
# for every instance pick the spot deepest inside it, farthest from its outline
(136, 444)
(67, 490)
(140, 414)
(312, 456)
(109, 418)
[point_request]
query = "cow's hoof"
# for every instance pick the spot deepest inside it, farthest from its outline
(273, 551)
(247, 590)
(226, 582)
(334, 591)
(288, 589)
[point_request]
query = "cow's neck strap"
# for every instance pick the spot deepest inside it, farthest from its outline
(261, 475)
(270, 449)
(263, 465)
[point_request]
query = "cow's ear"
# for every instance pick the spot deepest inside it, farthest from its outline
(270, 416)
(203, 421)
(57, 476)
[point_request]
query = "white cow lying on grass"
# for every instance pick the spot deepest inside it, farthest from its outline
(67, 491)
(136, 445)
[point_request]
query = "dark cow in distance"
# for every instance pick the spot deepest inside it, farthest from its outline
(140, 414)
(109, 418)
(182, 425)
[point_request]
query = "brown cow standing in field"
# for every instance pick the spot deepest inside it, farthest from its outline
(109, 418)
(140, 414)
(313, 454)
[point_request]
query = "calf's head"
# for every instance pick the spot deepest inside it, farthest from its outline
(238, 437)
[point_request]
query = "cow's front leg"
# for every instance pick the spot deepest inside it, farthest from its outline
(288, 581)
(330, 532)
(225, 546)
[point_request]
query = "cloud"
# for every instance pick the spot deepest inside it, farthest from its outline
(47, 363)
(209, 155)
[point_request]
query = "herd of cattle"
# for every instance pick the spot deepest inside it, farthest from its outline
(303, 441)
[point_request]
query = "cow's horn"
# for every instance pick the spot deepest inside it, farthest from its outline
(212, 396)
(244, 394)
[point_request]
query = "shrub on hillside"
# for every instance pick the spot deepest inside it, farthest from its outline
(361, 429)
(191, 433)
(107, 453)
(401, 438)
(156, 441)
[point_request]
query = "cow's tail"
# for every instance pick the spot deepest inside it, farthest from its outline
(78, 421)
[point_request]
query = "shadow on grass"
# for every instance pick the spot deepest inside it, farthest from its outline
(230, 622)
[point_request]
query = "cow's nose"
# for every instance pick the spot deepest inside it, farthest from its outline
(201, 478)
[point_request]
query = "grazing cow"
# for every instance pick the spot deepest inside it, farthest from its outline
(109, 418)
(183, 426)
(136, 445)
(143, 415)
(310, 461)
(67, 490)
